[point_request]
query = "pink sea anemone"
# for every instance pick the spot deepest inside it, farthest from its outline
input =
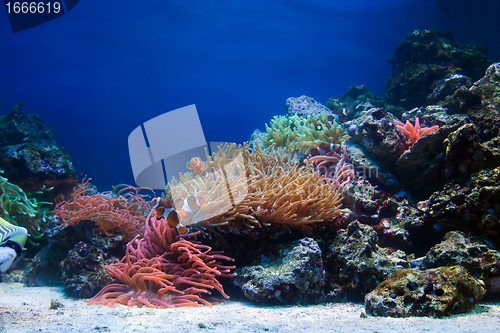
(164, 270)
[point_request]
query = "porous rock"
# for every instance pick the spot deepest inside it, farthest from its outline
(75, 258)
(356, 264)
(294, 275)
(422, 167)
(481, 102)
(30, 157)
(471, 208)
(474, 254)
(433, 292)
(83, 269)
(425, 57)
(466, 154)
(305, 106)
(375, 131)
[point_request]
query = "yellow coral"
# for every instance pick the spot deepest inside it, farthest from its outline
(303, 133)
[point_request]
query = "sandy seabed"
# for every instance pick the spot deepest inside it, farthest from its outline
(26, 309)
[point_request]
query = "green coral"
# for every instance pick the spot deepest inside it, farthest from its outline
(303, 133)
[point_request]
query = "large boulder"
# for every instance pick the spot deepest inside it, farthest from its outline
(294, 274)
(433, 292)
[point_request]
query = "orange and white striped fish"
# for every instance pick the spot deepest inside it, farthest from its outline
(163, 208)
(199, 168)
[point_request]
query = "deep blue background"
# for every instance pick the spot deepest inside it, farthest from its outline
(105, 67)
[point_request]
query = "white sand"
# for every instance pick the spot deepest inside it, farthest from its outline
(25, 309)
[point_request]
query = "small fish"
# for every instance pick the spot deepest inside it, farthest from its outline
(199, 168)
(196, 165)
(328, 149)
(185, 207)
(12, 233)
(12, 241)
(341, 114)
(163, 208)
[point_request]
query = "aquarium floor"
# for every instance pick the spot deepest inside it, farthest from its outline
(25, 309)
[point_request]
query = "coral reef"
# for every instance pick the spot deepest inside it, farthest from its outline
(471, 208)
(347, 181)
(294, 274)
(425, 57)
(164, 270)
(30, 157)
(434, 292)
(122, 209)
(474, 254)
(355, 264)
(481, 102)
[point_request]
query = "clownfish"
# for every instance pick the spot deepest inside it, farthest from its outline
(199, 168)
(185, 207)
(163, 208)
(329, 149)
(181, 210)
(341, 114)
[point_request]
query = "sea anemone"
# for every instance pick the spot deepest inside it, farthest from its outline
(164, 270)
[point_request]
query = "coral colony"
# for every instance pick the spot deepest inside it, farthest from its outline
(331, 202)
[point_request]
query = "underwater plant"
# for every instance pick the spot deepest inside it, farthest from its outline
(302, 134)
(164, 270)
(123, 209)
(413, 132)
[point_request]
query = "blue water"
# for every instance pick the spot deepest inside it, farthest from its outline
(105, 67)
